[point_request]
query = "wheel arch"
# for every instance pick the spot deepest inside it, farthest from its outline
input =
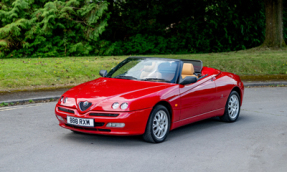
(168, 106)
(237, 89)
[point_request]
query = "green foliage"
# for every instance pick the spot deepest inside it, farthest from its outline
(285, 21)
(51, 28)
(184, 26)
(42, 28)
(3, 104)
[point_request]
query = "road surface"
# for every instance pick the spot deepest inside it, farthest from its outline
(31, 140)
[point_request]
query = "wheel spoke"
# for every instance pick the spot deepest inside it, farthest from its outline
(160, 124)
(154, 126)
(233, 106)
(156, 130)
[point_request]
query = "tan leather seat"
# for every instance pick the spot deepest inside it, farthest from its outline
(150, 72)
(187, 70)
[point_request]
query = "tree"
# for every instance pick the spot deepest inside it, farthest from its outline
(274, 24)
(51, 28)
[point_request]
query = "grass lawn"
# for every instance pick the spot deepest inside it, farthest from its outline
(29, 73)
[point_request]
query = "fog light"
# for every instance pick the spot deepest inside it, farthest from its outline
(60, 118)
(117, 125)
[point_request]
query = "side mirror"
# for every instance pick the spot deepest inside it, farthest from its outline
(103, 73)
(188, 80)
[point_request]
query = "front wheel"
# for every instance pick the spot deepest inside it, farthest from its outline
(232, 108)
(158, 125)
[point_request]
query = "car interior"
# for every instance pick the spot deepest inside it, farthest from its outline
(163, 70)
(150, 71)
(192, 68)
(166, 70)
(188, 70)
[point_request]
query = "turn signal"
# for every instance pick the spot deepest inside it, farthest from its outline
(60, 118)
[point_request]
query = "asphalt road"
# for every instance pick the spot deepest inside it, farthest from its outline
(31, 140)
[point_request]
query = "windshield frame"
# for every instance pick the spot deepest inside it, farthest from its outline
(174, 80)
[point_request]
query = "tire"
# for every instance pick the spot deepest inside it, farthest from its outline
(232, 108)
(158, 125)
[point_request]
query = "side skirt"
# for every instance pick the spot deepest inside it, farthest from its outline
(218, 112)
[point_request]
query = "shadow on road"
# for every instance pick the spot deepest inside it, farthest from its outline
(191, 130)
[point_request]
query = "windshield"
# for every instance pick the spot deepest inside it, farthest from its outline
(146, 69)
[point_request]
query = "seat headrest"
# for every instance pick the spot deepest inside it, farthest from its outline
(150, 68)
(187, 69)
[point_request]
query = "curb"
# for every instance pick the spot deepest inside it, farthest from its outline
(259, 84)
(29, 100)
(38, 89)
(251, 84)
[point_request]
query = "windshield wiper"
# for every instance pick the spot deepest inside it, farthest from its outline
(152, 79)
(126, 77)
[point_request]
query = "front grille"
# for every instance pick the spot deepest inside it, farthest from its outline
(66, 110)
(97, 124)
(82, 128)
(88, 129)
(104, 114)
(84, 105)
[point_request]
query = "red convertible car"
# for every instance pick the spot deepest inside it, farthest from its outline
(150, 96)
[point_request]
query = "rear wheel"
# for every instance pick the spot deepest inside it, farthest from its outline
(158, 125)
(232, 108)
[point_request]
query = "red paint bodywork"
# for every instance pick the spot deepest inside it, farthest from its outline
(187, 103)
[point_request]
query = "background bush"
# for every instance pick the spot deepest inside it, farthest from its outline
(40, 28)
(89, 27)
(184, 26)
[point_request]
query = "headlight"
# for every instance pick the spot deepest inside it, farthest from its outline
(61, 100)
(65, 100)
(115, 105)
(124, 106)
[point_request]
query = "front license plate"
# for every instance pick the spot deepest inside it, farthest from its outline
(80, 121)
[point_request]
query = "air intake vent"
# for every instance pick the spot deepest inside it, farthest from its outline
(97, 124)
(84, 105)
(65, 110)
(82, 128)
(106, 130)
(104, 114)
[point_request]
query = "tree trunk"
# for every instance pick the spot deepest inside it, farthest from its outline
(274, 24)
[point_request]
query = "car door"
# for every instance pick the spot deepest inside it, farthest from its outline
(197, 98)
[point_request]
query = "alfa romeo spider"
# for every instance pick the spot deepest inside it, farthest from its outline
(150, 97)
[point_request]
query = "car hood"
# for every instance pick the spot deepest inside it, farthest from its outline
(102, 92)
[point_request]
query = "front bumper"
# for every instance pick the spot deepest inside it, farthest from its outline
(135, 121)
